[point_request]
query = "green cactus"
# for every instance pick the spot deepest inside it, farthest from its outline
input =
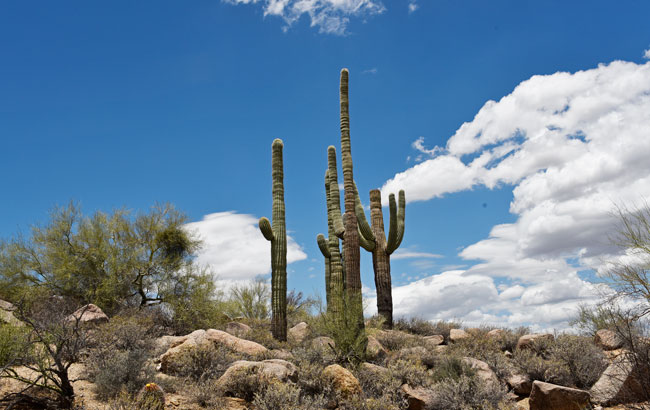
(384, 248)
(277, 235)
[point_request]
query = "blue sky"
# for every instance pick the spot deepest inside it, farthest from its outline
(128, 103)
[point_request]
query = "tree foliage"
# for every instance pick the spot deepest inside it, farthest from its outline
(113, 259)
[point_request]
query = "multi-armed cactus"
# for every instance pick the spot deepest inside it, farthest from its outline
(277, 235)
(383, 248)
(334, 277)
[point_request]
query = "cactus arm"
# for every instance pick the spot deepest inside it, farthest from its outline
(265, 227)
(323, 245)
(396, 230)
(364, 227)
(366, 244)
(335, 195)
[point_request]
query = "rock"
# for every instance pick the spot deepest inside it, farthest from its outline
(619, 383)
(508, 354)
(374, 350)
(523, 404)
(342, 381)
(434, 340)
(281, 354)
(482, 369)
(496, 333)
(520, 384)
(608, 339)
(377, 371)
(7, 315)
(456, 335)
(238, 329)
(526, 341)
(200, 338)
(322, 342)
(89, 314)
(230, 383)
(441, 349)
(547, 396)
(298, 333)
(419, 398)
(4, 305)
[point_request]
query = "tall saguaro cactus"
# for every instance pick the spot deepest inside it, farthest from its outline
(384, 248)
(351, 234)
(277, 235)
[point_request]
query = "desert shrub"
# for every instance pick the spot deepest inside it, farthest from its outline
(350, 344)
(299, 307)
(443, 328)
(127, 401)
(382, 391)
(396, 340)
(531, 364)
(375, 322)
(450, 368)
(243, 383)
(117, 358)
(310, 379)
(206, 361)
(468, 392)
(411, 372)
(418, 326)
(251, 300)
(204, 393)
(12, 344)
(286, 396)
(486, 348)
(261, 333)
(580, 362)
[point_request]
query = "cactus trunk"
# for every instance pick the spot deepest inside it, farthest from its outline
(277, 235)
(351, 234)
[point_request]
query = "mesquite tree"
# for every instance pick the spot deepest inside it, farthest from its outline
(277, 235)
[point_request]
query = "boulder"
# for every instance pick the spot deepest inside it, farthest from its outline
(281, 354)
(342, 381)
(298, 333)
(200, 338)
(377, 371)
(482, 369)
(520, 384)
(89, 314)
(620, 382)
(434, 340)
(7, 315)
(4, 305)
(322, 342)
(238, 329)
(608, 340)
(418, 398)
(456, 335)
(230, 383)
(374, 349)
(526, 341)
(547, 396)
(496, 333)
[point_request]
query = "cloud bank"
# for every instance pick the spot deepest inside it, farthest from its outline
(571, 146)
(330, 16)
(234, 248)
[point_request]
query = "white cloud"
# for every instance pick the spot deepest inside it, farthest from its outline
(370, 71)
(399, 254)
(234, 247)
(572, 145)
(330, 16)
(646, 54)
(413, 6)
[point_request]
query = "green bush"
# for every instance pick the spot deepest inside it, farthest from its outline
(580, 362)
(206, 361)
(450, 368)
(13, 342)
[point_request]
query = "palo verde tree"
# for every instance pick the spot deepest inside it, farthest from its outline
(113, 260)
(277, 235)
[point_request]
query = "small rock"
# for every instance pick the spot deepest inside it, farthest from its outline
(265, 371)
(377, 371)
(298, 333)
(547, 396)
(526, 341)
(482, 369)
(608, 339)
(281, 354)
(434, 340)
(419, 398)
(90, 313)
(342, 380)
(456, 335)
(520, 384)
(496, 333)
(374, 349)
(238, 329)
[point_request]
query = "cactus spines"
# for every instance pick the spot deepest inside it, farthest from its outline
(351, 234)
(383, 249)
(276, 233)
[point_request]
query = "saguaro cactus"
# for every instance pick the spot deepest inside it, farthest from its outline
(351, 234)
(277, 235)
(384, 248)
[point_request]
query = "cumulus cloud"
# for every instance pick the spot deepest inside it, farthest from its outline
(571, 146)
(330, 16)
(646, 54)
(234, 247)
(413, 6)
